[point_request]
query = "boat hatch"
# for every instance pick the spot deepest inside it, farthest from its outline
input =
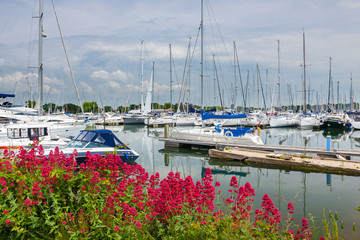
(32, 133)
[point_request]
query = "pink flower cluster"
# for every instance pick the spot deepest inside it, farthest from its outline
(112, 190)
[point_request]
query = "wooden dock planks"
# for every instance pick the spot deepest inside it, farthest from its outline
(317, 164)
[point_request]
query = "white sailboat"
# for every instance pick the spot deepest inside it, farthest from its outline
(139, 117)
(306, 120)
(217, 134)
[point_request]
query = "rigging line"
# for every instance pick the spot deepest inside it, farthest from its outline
(183, 77)
(218, 28)
(67, 58)
(8, 18)
(216, 50)
(238, 67)
(31, 47)
(173, 64)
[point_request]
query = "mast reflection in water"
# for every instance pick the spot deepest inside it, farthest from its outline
(309, 192)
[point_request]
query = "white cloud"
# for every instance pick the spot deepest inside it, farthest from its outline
(117, 75)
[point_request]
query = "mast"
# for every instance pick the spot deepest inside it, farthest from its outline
(142, 77)
(170, 77)
(329, 86)
(202, 55)
(351, 93)
(304, 73)
(153, 86)
(279, 103)
(258, 87)
(236, 87)
(40, 60)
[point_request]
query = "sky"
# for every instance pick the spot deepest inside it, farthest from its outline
(103, 42)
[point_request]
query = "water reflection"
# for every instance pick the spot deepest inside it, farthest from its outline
(310, 192)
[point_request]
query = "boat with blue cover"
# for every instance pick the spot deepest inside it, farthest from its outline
(100, 141)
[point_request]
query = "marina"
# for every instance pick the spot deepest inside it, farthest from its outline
(254, 100)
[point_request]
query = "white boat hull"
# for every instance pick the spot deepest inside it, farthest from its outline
(211, 135)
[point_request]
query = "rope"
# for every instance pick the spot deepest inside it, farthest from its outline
(67, 58)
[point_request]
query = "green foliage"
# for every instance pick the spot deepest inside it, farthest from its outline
(50, 198)
(50, 107)
(72, 108)
(90, 107)
(30, 104)
(108, 109)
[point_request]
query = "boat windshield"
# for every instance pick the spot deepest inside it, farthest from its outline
(76, 144)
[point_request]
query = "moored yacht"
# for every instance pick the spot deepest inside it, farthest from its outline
(100, 142)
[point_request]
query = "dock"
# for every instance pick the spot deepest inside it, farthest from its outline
(290, 161)
(170, 142)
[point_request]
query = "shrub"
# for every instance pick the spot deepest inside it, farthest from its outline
(53, 198)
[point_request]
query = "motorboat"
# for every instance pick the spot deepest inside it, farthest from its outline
(336, 121)
(22, 135)
(99, 141)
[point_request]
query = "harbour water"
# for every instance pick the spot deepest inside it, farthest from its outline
(311, 193)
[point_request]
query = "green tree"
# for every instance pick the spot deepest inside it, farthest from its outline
(71, 108)
(108, 109)
(90, 107)
(49, 107)
(121, 109)
(30, 104)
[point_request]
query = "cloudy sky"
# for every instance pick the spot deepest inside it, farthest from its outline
(103, 41)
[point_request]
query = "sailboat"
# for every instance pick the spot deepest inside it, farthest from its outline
(284, 119)
(306, 120)
(219, 135)
(136, 116)
(335, 120)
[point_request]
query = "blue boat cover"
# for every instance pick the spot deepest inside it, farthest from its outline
(4, 95)
(109, 138)
(205, 116)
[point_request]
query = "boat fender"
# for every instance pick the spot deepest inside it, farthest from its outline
(258, 131)
(126, 156)
(228, 134)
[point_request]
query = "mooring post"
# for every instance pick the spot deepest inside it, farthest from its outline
(328, 143)
(166, 131)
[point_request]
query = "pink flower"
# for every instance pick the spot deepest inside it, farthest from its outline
(116, 228)
(64, 222)
(83, 188)
(138, 224)
(83, 230)
(217, 184)
(5, 211)
(290, 206)
(8, 222)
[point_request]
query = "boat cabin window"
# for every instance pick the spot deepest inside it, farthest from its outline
(81, 135)
(37, 133)
(88, 137)
(99, 139)
(16, 133)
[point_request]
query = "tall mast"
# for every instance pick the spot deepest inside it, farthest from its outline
(329, 86)
(258, 87)
(351, 93)
(153, 85)
(40, 60)
(279, 103)
(235, 90)
(142, 77)
(304, 73)
(202, 55)
(170, 77)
